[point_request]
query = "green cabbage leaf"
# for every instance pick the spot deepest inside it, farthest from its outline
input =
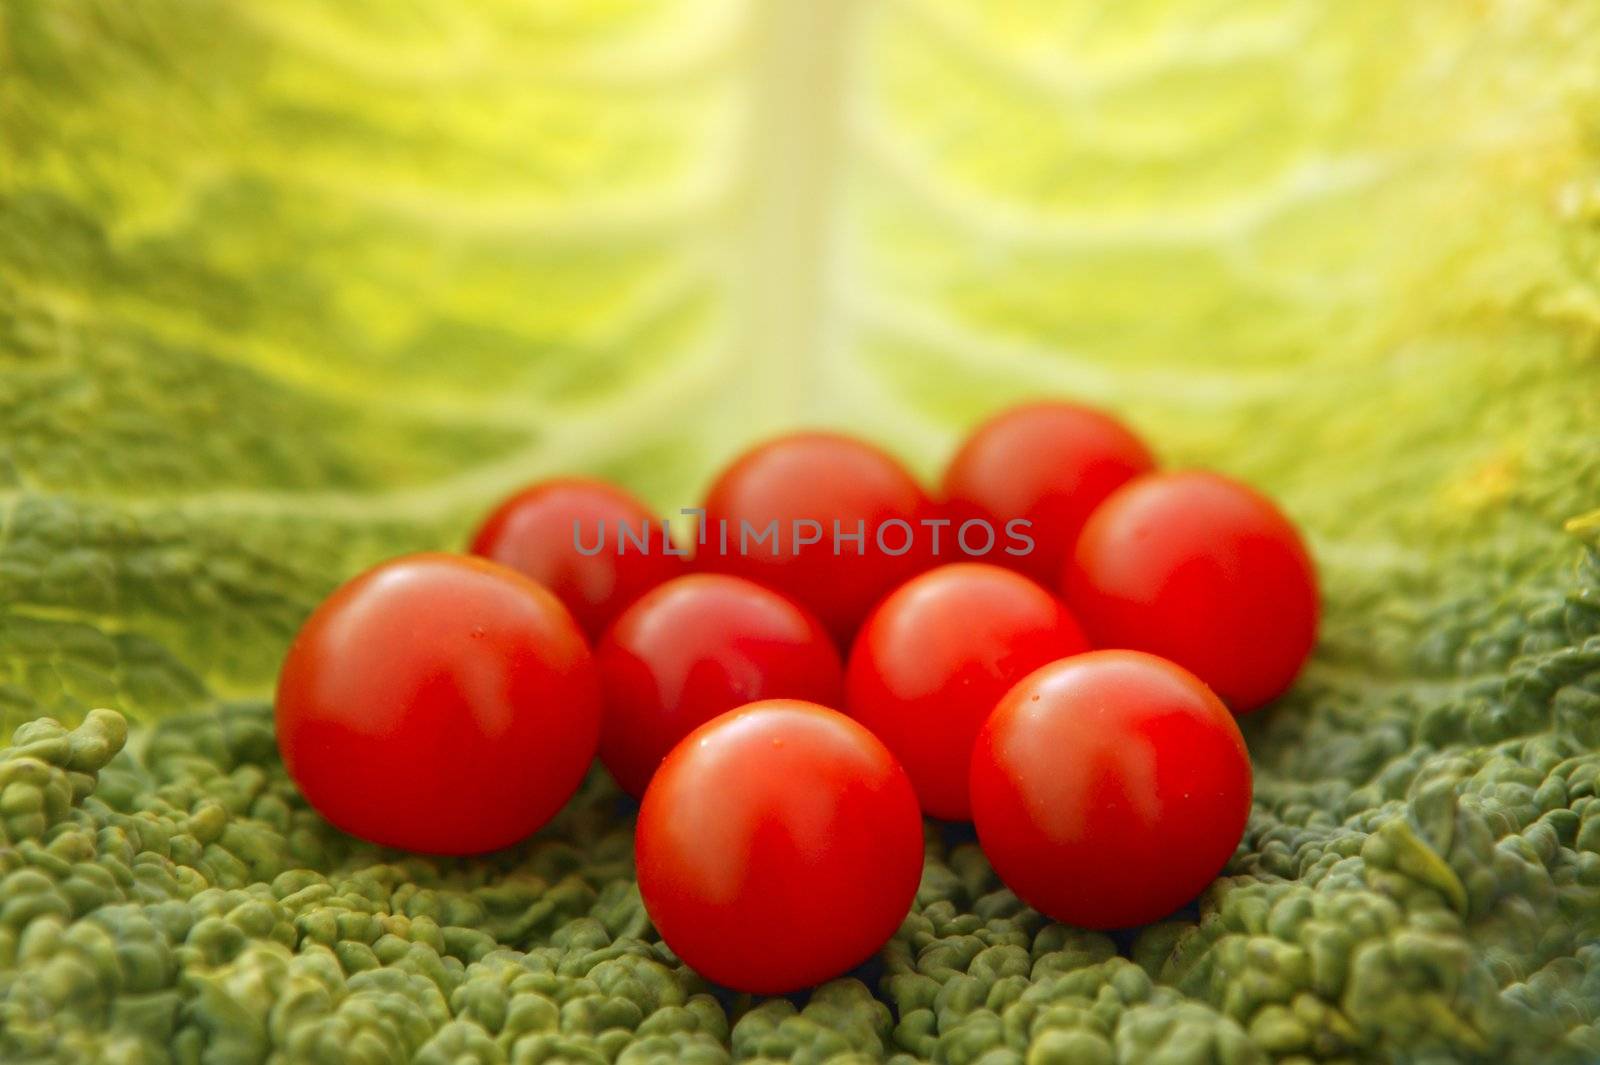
(289, 287)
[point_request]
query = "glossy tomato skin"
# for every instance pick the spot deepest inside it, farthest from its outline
(696, 647)
(820, 477)
(1109, 789)
(438, 703)
(1201, 569)
(935, 656)
(1049, 463)
(778, 846)
(532, 532)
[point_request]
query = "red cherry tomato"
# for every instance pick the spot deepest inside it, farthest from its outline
(819, 478)
(696, 647)
(1202, 570)
(1109, 789)
(533, 533)
(933, 659)
(1048, 463)
(438, 703)
(778, 846)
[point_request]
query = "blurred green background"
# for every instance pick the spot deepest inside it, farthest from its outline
(288, 286)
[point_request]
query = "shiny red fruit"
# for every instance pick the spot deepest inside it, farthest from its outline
(438, 703)
(1205, 571)
(597, 568)
(824, 479)
(933, 659)
(778, 846)
(1109, 789)
(696, 647)
(1049, 463)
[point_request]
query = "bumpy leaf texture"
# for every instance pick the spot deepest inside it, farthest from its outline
(287, 287)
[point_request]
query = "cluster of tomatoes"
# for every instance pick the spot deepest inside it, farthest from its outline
(1050, 650)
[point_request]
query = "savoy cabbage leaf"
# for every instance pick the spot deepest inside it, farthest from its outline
(288, 287)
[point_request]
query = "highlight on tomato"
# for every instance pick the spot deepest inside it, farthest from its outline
(1048, 464)
(439, 703)
(936, 655)
(591, 543)
(1205, 571)
(778, 846)
(830, 521)
(696, 647)
(1109, 789)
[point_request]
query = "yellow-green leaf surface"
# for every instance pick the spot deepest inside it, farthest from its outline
(289, 286)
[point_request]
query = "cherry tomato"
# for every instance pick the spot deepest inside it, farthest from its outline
(1109, 789)
(696, 647)
(438, 703)
(1202, 570)
(778, 846)
(1047, 463)
(934, 657)
(824, 480)
(581, 539)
